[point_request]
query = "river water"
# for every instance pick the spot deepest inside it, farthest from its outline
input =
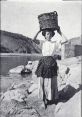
(8, 62)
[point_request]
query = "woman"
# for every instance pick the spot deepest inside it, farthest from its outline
(47, 69)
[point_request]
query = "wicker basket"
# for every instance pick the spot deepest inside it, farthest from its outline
(48, 21)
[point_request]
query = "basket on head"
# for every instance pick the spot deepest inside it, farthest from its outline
(48, 21)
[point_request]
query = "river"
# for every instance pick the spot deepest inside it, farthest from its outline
(9, 61)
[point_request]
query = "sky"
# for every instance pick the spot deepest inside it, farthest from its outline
(21, 16)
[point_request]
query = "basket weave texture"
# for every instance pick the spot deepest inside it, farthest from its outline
(48, 21)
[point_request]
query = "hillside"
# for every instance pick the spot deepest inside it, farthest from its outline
(17, 43)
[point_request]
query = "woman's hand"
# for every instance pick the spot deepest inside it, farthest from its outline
(63, 36)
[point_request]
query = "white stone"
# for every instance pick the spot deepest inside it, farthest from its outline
(17, 69)
(16, 94)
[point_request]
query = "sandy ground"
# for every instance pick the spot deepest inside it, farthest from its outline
(17, 102)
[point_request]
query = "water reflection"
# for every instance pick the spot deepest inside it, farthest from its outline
(8, 62)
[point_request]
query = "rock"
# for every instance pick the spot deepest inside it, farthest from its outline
(26, 71)
(29, 68)
(29, 65)
(33, 90)
(69, 108)
(22, 85)
(17, 69)
(71, 78)
(33, 87)
(63, 75)
(35, 64)
(14, 108)
(16, 94)
(11, 105)
(72, 108)
(20, 91)
(74, 80)
(58, 107)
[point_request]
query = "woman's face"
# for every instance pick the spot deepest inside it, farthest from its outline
(48, 35)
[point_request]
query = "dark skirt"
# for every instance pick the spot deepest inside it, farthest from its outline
(47, 67)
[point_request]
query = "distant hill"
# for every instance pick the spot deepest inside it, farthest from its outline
(17, 43)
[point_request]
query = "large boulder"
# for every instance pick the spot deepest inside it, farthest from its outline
(17, 70)
(14, 108)
(71, 108)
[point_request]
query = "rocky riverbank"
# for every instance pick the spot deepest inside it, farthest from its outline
(21, 98)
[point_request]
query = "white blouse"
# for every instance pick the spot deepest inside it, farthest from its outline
(53, 47)
(50, 48)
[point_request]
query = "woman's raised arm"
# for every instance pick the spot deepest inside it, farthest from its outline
(63, 37)
(35, 38)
